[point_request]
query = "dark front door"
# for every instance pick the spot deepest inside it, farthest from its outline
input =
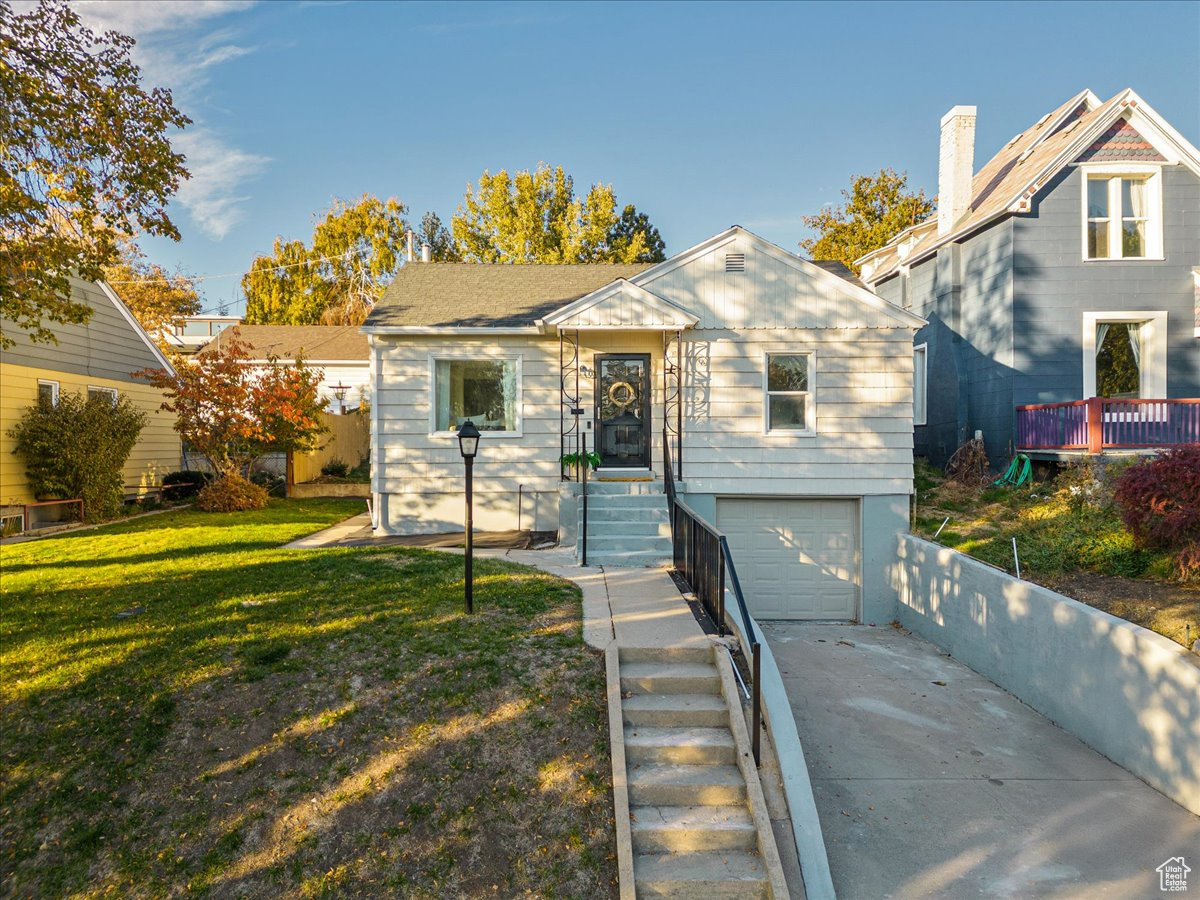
(623, 409)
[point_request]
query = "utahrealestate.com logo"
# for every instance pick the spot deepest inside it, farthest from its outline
(1172, 875)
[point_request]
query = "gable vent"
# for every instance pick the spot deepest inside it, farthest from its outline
(735, 262)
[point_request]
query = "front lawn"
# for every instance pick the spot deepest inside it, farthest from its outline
(1070, 538)
(188, 707)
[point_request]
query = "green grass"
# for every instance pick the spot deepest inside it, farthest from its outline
(189, 707)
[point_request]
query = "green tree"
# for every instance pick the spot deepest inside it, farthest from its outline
(877, 208)
(157, 298)
(78, 448)
(535, 217)
(439, 239)
(84, 161)
(625, 232)
(355, 252)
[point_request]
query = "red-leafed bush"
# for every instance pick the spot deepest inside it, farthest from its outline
(1160, 499)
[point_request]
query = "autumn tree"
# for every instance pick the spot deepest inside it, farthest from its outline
(234, 411)
(877, 208)
(355, 251)
(157, 298)
(535, 217)
(84, 161)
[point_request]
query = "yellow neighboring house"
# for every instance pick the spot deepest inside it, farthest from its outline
(97, 357)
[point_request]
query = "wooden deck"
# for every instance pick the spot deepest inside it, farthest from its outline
(1104, 424)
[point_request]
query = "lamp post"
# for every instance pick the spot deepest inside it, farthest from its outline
(339, 391)
(468, 446)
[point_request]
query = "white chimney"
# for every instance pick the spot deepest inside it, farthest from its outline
(956, 165)
(426, 253)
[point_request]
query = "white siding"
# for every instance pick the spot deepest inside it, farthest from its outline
(863, 394)
(770, 293)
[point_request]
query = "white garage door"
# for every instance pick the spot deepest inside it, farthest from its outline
(796, 559)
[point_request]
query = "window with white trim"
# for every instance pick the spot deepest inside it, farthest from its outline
(48, 393)
(920, 382)
(788, 405)
(485, 391)
(1123, 214)
(109, 394)
(1125, 354)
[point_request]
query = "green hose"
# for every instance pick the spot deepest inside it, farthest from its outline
(1017, 473)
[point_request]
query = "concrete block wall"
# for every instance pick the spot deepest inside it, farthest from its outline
(1127, 692)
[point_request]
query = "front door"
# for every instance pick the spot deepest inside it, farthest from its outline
(623, 409)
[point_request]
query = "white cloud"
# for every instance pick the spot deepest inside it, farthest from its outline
(213, 195)
(178, 48)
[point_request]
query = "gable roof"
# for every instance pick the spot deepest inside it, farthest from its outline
(313, 342)
(486, 295)
(134, 324)
(1007, 183)
(621, 304)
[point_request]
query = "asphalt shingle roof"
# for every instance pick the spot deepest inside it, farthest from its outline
(288, 341)
(467, 295)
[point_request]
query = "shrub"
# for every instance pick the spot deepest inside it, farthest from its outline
(1188, 561)
(336, 467)
(275, 485)
(78, 448)
(232, 493)
(1160, 499)
(184, 484)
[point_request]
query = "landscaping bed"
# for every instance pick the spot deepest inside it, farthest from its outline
(189, 707)
(1070, 538)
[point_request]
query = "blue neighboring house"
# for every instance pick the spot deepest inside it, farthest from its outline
(1061, 283)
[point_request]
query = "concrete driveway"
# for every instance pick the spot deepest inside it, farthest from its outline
(931, 781)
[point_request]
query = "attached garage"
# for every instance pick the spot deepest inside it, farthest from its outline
(796, 558)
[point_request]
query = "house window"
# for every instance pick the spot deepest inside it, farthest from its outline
(1125, 354)
(108, 394)
(486, 391)
(789, 406)
(920, 392)
(48, 393)
(1123, 215)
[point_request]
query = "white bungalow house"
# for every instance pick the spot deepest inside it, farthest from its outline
(783, 393)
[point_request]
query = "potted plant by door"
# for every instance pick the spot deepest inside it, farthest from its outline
(572, 461)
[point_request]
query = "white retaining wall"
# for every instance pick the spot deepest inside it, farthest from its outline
(1129, 693)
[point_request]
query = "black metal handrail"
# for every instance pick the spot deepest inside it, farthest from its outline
(701, 557)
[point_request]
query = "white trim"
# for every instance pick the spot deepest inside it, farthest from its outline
(112, 392)
(54, 386)
(1113, 172)
(810, 396)
(133, 323)
(1171, 144)
(450, 329)
(923, 349)
(1153, 339)
(799, 263)
(679, 317)
(474, 355)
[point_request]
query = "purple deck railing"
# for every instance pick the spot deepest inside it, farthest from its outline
(1103, 423)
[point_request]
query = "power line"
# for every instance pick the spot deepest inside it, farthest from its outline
(199, 278)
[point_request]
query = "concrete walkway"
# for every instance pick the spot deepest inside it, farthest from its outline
(931, 781)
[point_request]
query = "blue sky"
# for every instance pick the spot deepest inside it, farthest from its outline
(701, 114)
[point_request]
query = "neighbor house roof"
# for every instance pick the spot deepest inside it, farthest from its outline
(1081, 129)
(483, 295)
(313, 342)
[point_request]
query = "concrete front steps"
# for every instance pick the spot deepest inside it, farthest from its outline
(693, 828)
(628, 524)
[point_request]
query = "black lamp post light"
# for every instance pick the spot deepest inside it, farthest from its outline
(339, 391)
(468, 446)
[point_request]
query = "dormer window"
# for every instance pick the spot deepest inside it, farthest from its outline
(1123, 214)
